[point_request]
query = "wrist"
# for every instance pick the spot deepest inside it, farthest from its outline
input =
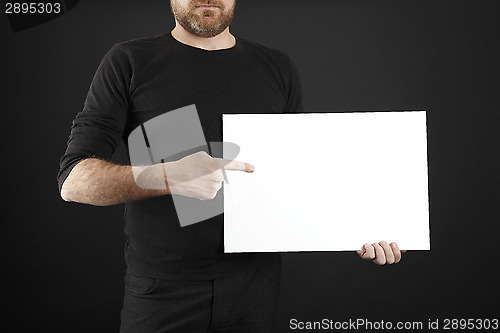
(151, 177)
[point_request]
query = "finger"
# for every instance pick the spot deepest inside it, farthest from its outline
(379, 254)
(217, 175)
(210, 192)
(367, 252)
(220, 163)
(389, 255)
(396, 251)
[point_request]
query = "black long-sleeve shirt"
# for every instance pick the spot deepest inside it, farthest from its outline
(140, 79)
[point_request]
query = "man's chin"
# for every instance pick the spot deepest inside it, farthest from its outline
(205, 26)
(208, 17)
(208, 27)
(206, 34)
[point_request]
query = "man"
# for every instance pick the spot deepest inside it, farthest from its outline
(179, 279)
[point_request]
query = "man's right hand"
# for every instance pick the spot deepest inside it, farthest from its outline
(199, 175)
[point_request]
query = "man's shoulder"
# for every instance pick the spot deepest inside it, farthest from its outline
(143, 42)
(263, 50)
(140, 50)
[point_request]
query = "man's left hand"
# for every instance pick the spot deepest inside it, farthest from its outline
(381, 253)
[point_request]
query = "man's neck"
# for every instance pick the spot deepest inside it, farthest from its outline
(224, 40)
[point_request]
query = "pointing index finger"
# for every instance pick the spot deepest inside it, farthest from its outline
(220, 163)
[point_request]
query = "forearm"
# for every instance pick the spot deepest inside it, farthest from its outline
(101, 183)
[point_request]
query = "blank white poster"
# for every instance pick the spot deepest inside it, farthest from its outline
(327, 181)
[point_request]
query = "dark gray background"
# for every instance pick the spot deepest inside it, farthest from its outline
(63, 263)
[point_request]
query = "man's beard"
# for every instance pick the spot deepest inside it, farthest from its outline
(194, 20)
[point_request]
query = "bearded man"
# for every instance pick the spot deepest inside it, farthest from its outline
(179, 279)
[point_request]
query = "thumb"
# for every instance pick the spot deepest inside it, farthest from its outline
(367, 252)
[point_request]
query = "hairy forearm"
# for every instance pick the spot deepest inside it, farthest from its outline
(101, 183)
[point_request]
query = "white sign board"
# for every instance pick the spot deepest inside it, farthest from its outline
(327, 181)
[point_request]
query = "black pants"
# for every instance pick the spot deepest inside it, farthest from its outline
(243, 302)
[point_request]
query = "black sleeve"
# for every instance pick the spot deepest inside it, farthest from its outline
(294, 89)
(98, 128)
